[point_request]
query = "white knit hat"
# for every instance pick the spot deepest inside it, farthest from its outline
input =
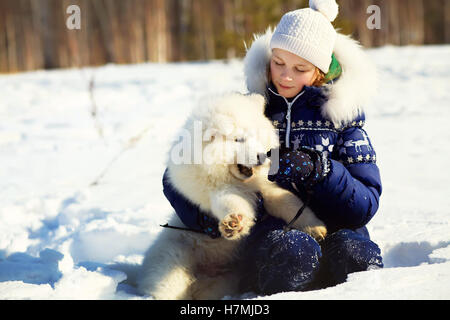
(309, 33)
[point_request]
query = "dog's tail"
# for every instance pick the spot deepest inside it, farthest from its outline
(131, 270)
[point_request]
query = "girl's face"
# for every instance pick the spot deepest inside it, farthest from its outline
(289, 73)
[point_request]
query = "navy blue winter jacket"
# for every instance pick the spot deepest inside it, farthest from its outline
(348, 197)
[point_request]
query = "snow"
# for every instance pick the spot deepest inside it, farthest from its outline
(80, 192)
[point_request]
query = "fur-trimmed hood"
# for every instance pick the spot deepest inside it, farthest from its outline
(346, 97)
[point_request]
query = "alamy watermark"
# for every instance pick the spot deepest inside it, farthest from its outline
(199, 145)
(374, 20)
(74, 20)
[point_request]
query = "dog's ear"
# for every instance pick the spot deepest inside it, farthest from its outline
(259, 100)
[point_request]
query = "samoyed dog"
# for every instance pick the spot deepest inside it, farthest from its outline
(220, 165)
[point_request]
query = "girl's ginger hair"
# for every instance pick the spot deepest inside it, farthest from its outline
(319, 78)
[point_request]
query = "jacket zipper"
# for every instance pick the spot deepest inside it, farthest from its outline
(288, 115)
(288, 126)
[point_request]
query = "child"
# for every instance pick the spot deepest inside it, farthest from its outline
(316, 82)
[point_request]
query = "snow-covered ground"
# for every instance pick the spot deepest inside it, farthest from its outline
(80, 174)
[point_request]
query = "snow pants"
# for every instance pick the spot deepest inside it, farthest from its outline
(279, 261)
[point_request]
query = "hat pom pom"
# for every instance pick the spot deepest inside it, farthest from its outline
(329, 8)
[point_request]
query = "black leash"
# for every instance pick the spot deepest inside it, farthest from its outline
(180, 228)
(285, 228)
(288, 227)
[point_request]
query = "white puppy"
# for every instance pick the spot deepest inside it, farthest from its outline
(218, 167)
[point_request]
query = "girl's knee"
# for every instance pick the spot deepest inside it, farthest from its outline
(286, 261)
(345, 252)
(351, 244)
(293, 243)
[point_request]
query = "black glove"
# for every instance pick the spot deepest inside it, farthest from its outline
(303, 167)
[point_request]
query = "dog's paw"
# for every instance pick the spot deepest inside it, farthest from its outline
(317, 232)
(234, 226)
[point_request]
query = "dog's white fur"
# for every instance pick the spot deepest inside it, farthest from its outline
(188, 265)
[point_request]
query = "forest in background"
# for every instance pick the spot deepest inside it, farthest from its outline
(34, 35)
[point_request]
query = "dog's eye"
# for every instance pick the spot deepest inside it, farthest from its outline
(239, 140)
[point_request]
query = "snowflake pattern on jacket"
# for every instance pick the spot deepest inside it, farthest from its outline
(329, 119)
(348, 197)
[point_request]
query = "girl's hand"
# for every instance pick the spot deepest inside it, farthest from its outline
(304, 167)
